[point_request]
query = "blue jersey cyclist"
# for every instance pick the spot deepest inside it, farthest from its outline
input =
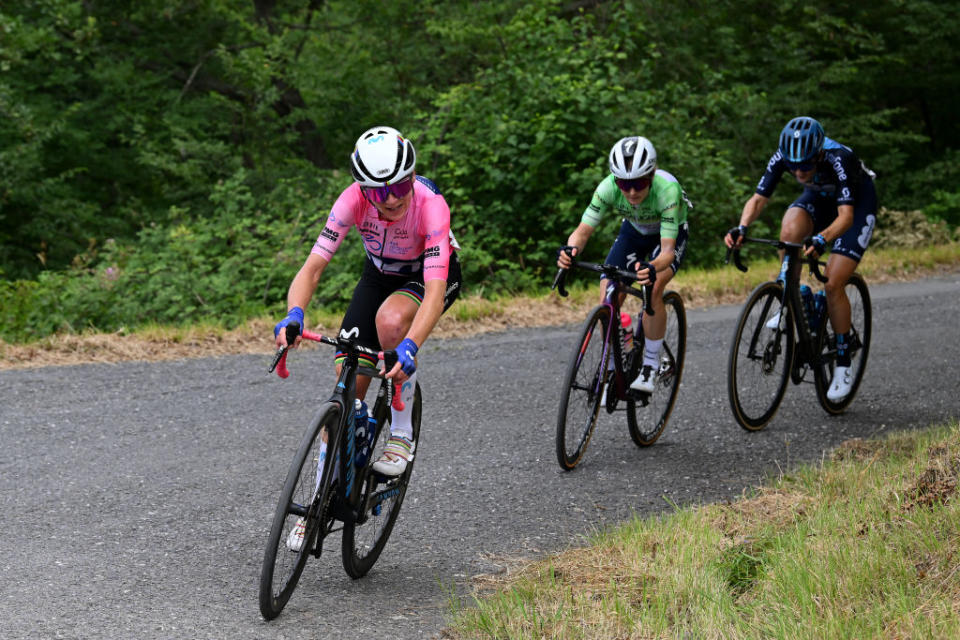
(654, 211)
(838, 208)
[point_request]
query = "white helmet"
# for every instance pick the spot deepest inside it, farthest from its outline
(632, 157)
(382, 156)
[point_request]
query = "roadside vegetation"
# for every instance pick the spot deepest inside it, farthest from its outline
(863, 545)
(471, 315)
(168, 163)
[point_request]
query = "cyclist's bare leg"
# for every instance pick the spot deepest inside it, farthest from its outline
(655, 326)
(394, 319)
(795, 226)
(838, 272)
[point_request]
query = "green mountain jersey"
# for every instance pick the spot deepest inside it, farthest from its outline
(662, 212)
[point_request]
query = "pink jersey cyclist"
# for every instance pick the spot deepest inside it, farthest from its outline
(420, 240)
(410, 277)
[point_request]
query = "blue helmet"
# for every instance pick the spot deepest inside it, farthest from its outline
(801, 140)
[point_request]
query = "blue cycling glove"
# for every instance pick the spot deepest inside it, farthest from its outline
(406, 352)
(294, 315)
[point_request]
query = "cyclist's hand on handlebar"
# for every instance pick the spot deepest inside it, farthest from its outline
(646, 273)
(814, 245)
(406, 360)
(735, 236)
(565, 256)
(292, 327)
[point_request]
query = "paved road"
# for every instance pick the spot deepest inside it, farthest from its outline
(137, 497)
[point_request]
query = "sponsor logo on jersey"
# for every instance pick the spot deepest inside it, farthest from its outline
(432, 252)
(329, 234)
(372, 240)
(838, 168)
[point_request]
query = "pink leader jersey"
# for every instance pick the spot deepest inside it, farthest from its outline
(421, 239)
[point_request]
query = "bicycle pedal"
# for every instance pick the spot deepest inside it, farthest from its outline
(639, 396)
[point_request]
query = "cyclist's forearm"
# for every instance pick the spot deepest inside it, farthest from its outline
(667, 254)
(580, 236)
(752, 209)
(305, 282)
(839, 226)
(429, 312)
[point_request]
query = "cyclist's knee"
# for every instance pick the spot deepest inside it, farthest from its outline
(795, 225)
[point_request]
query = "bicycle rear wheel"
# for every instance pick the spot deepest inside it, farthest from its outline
(648, 423)
(861, 318)
(582, 390)
(760, 358)
(379, 505)
(305, 497)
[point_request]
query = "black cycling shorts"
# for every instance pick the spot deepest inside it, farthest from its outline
(823, 211)
(374, 287)
(632, 247)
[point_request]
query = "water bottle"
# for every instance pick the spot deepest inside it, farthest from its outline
(819, 309)
(806, 294)
(362, 431)
(626, 332)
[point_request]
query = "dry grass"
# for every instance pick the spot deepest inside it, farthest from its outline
(468, 317)
(863, 545)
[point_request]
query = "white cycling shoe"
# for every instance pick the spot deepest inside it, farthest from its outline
(646, 380)
(774, 322)
(398, 453)
(295, 538)
(842, 382)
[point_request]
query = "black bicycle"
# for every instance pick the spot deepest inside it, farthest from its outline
(778, 337)
(600, 363)
(319, 498)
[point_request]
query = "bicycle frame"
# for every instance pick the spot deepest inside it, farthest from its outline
(347, 499)
(790, 269)
(616, 285)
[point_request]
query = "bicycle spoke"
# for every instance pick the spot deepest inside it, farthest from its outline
(583, 388)
(760, 357)
(647, 416)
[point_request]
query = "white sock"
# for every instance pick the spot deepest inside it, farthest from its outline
(401, 422)
(651, 352)
(320, 462)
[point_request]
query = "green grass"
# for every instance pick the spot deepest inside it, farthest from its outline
(864, 545)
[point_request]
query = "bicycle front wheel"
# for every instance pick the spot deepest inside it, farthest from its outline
(379, 503)
(760, 357)
(647, 422)
(303, 505)
(582, 390)
(861, 318)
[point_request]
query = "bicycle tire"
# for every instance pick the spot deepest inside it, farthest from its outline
(661, 402)
(582, 390)
(757, 381)
(861, 320)
(302, 496)
(364, 538)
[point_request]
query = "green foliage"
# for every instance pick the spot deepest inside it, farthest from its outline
(193, 147)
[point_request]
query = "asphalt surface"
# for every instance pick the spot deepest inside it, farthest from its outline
(137, 497)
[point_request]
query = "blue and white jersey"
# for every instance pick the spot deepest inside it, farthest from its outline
(838, 174)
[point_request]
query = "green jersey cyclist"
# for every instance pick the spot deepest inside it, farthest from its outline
(654, 209)
(838, 207)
